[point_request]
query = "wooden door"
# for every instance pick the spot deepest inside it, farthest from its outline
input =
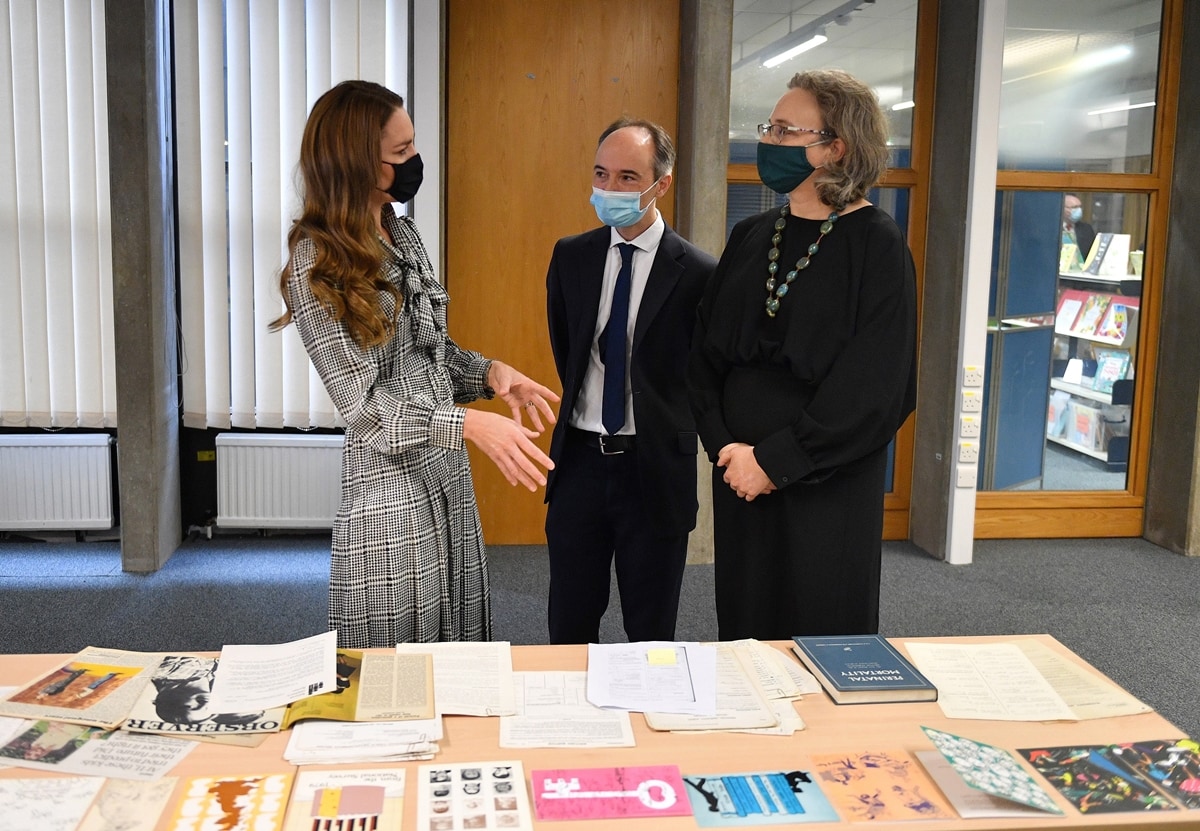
(530, 84)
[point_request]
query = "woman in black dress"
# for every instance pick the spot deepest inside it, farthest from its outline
(803, 367)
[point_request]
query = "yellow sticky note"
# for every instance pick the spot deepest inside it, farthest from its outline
(661, 656)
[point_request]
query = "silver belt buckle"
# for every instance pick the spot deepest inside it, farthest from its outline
(604, 451)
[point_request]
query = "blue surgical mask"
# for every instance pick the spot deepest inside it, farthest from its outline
(1075, 214)
(783, 167)
(620, 209)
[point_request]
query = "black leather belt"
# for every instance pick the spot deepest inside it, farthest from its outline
(607, 445)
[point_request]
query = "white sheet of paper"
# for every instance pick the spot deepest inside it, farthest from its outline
(127, 805)
(1087, 694)
(470, 679)
(258, 676)
(47, 804)
(741, 703)
(988, 681)
(770, 666)
(653, 676)
(330, 741)
(970, 802)
(553, 711)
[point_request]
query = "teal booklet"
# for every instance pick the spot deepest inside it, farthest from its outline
(862, 669)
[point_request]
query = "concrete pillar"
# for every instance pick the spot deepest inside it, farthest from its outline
(1172, 491)
(950, 170)
(143, 227)
(706, 36)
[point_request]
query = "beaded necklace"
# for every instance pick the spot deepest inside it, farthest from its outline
(775, 289)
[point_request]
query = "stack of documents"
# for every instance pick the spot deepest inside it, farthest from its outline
(743, 686)
(338, 742)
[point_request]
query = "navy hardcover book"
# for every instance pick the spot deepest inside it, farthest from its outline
(862, 669)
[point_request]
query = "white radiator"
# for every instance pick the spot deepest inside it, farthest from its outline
(56, 481)
(277, 481)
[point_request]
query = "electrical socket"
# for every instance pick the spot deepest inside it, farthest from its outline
(972, 401)
(972, 376)
(968, 452)
(968, 427)
(967, 475)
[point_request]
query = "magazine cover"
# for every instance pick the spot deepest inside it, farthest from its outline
(777, 797)
(233, 803)
(346, 800)
(176, 702)
(96, 687)
(1092, 782)
(879, 786)
(372, 687)
(1172, 765)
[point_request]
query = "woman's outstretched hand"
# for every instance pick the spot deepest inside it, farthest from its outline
(510, 445)
(524, 395)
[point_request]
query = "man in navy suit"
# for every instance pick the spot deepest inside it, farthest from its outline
(623, 486)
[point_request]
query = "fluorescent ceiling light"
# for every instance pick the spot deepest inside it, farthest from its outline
(903, 105)
(811, 43)
(1121, 108)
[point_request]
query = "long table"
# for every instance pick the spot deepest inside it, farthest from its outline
(830, 728)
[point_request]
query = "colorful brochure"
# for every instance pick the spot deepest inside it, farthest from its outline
(779, 797)
(609, 793)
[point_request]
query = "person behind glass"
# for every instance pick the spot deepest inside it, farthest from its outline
(1074, 230)
(624, 483)
(802, 370)
(408, 562)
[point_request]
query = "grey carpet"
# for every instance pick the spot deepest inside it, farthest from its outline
(1126, 606)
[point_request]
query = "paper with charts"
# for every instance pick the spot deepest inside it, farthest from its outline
(879, 785)
(608, 793)
(992, 770)
(347, 800)
(778, 797)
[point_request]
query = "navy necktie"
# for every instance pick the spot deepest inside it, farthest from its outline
(612, 346)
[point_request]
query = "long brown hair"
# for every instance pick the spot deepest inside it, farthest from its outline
(339, 166)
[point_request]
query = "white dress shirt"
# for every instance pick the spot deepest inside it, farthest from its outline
(587, 413)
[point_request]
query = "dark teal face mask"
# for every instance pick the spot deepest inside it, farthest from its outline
(782, 167)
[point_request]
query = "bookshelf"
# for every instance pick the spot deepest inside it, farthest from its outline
(1091, 383)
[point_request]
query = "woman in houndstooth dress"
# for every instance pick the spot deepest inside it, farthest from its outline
(408, 562)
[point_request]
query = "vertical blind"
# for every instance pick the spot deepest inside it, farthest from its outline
(246, 75)
(56, 322)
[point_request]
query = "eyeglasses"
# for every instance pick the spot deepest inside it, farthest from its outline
(778, 131)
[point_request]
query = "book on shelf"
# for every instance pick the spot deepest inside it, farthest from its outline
(1069, 258)
(1090, 315)
(1109, 256)
(862, 669)
(1069, 304)
(1083, 428)
(1115, 324)
(1110, 368)
(1057, 413)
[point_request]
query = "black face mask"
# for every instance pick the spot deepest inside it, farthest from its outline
(406, 179)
